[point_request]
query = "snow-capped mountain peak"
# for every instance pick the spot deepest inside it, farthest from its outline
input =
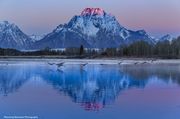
(93, 20)
(166, 38)
(12, 37)
(92, 11)
(92, 28)
(6, 26)
(142, 32)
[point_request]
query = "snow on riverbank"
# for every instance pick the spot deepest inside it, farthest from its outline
(92, 61)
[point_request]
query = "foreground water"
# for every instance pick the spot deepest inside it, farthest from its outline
(89, 92)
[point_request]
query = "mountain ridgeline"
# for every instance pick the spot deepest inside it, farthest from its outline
(93, 28)
(12, 37)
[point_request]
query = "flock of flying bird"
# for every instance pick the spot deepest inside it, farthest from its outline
(59, 65)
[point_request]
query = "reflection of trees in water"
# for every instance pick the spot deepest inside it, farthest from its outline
(163, 72)
(93, 86)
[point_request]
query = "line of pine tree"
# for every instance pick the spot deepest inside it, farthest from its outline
(162, 49)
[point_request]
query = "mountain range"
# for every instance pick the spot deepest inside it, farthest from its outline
(93, 28)
(12, 37)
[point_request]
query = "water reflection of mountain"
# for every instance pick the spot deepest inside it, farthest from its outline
(93, 86)
(96, 86)
(12, 78)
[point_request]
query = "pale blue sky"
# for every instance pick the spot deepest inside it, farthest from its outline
(158, 17)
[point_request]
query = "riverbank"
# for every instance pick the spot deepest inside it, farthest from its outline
(100, 61)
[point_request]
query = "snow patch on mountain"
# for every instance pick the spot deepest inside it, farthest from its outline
(166, 38)
(12, 37)
(36, 38)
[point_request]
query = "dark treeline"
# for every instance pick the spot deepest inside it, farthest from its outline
(13, 52)
(45, 52)
(162, 49)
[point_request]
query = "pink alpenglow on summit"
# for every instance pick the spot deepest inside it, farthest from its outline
(92, 11)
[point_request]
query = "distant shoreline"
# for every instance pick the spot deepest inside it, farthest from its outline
(100, 61)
